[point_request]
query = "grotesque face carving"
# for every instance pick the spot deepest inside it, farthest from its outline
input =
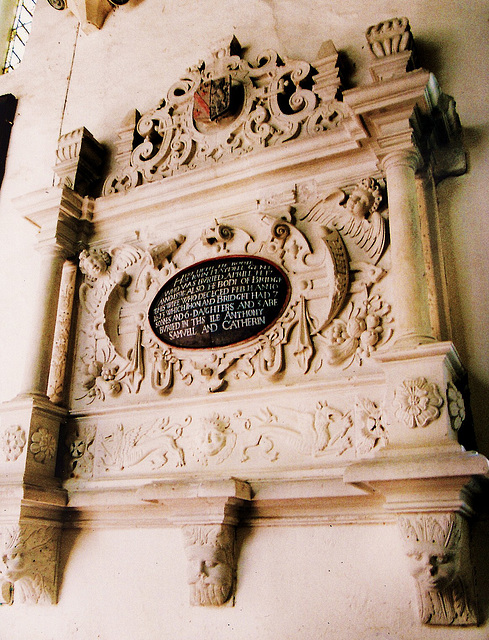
(209, 576)
(14, 563)
(433, 549)
(210, 564)
(433, 566)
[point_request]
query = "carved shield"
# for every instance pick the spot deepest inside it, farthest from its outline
(212, 100)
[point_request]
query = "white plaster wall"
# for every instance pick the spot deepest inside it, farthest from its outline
(294, 583)
(337, 582)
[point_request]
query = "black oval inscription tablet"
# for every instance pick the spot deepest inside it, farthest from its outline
(219, 302)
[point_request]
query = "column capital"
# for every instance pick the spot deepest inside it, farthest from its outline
(51, 249)
(410, 158)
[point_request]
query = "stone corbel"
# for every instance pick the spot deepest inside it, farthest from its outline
(29, 562)
(91, 14)
(437, 549)
(431, 499)
(208, 514)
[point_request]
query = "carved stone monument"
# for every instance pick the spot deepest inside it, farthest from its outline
(257, 309)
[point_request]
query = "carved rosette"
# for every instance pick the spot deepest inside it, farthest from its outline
(43, 445)
(372, 432)
(12, 442)
(417, 402)
(456, 406)
(437, 550)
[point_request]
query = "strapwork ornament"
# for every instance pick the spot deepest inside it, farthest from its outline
(228, 108)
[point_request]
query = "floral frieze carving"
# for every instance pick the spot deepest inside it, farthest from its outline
(437, 550)
(417, 402)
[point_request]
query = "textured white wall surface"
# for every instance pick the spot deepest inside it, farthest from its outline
(339, 582)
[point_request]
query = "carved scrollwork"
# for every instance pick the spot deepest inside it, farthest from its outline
(227, 108)
(119, 346)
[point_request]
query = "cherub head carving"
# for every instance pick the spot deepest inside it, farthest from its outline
(365, 198)
(433, 550)
(210, 553)
(94, 262)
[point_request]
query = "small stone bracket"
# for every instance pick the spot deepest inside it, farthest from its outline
(208, 514)
(91, 14)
